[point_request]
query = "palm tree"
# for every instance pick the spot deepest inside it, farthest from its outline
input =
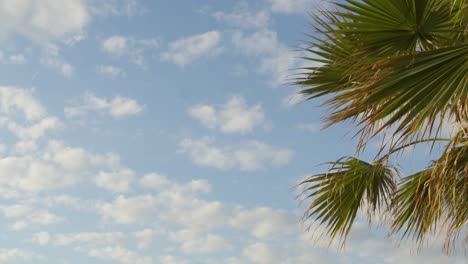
(395, 69)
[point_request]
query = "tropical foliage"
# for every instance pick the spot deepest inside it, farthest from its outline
(398, 70)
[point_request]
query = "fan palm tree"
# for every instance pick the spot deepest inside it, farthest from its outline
(397, 68)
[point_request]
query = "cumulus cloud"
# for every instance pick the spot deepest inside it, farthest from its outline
(52, 168)
(9, 255)
(25, 216)
(36, 130)
(132, 49)
(115, 45)
(117, 107)
(43, 20)
(261, 253)
(15, 100)
(128, 210)
(243, 17)
(274, 57)
(296, 6)
(146, 236)
(233, 117)
(247, 156)
(52, 58)
(115, 7)
(12, 59)
(186, 50)
(41, 238)
(309, 127)
(264, 222)
(110, 71)
(118, 181)
(23, 115)
(89, 238)
(154, 181)
(192, 242)
(119, 254)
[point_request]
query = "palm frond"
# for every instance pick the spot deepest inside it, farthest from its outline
(387, 63)
(434, 200)
(349, 185)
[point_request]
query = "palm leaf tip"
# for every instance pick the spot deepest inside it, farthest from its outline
(349, 185)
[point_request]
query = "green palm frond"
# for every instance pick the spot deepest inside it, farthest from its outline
(387, 63)
(397, 68)
(414, 93)
(349, 185)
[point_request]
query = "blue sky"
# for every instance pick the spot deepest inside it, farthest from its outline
(142, 132)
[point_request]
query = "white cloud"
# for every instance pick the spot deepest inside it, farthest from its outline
(52, 59)
(261, 253)
(27, 174)
(154, 181)
(248, 156)
(296, 6)
(115, 45)
(43, 20)
(120, 255)
(35, 130)
(110, 71)
(25, 216)
(15, 210)
(55, 167)
(15, 100)
(243, 17)
(168, 259)
(23, 115)
(274, 58)
(24, 147)
(259, 43)
(131, 210)
(16, 254)
(189, 49)
(13, 59)
(118, 181)
(89, 238)
(180, 204)
(309, 127)
(192, 242)
(233, 117)
(41, 238)
(264, 222)
(72, 159)
(146, 236)
(134, 49)
(115, 7)
(17, 59)
(117, 107)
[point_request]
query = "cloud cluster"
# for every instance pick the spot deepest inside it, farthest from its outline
(233, 117)
(186, 50)
(110, 71)
(247, 156)
(23, 115)
(133, 49)
(116, 107)
(295, 6)
(43, 20)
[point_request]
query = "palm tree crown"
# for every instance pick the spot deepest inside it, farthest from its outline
(396, 68)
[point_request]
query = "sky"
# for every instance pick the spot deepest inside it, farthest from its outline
(142, 132)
